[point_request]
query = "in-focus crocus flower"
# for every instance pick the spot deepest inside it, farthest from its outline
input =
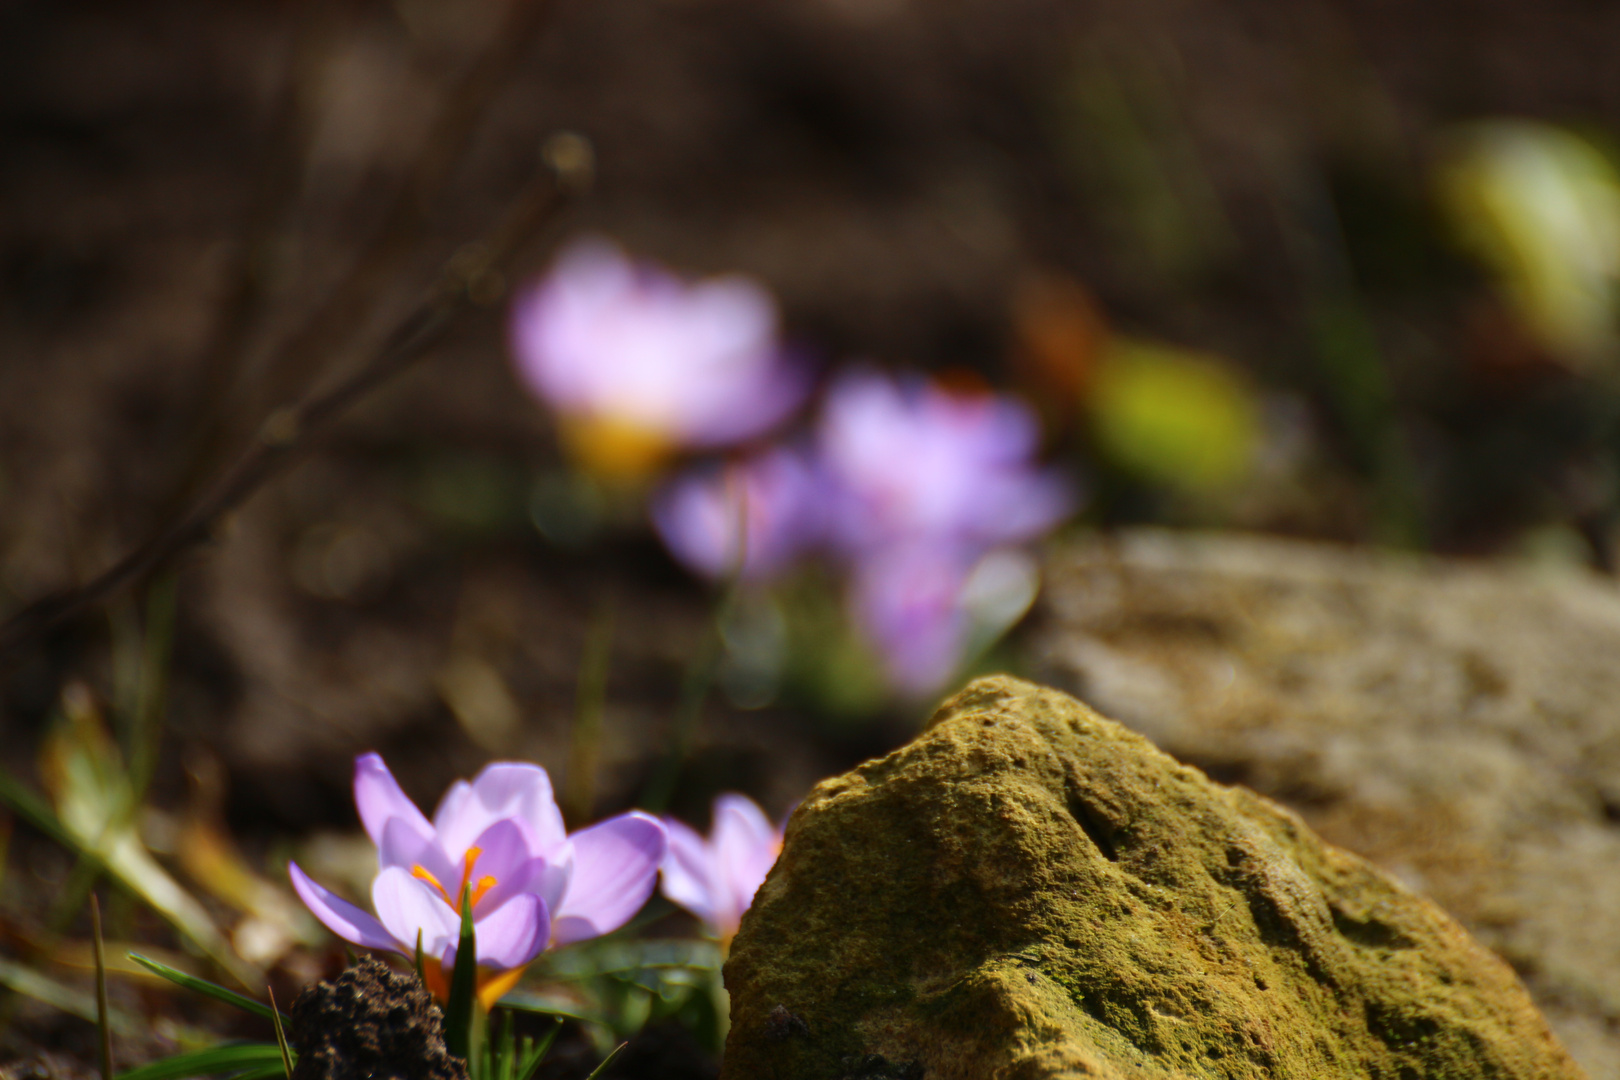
(913, 462)
(638, 364)
(716, 879)
(760, 512)
(501, 840)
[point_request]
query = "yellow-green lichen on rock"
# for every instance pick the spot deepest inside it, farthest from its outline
(1028, 890)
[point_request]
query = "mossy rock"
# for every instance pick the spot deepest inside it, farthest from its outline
(1029, 890)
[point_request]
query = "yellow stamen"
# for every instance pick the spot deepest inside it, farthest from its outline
(485, 884)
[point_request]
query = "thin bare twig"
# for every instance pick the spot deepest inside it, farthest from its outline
(346, 308)
(325, 333)
(289, 432)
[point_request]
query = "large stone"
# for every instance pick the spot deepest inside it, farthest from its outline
(1029, 890)
(1455, 722)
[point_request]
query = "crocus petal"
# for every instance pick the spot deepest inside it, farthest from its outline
(406, 904)
(689, 871)
(514, 933)
(503, 849)
(341, 917)
(378, 797)
(504, 855)
(745, 848)
(404, 847)
(504, 790)
(615, 868)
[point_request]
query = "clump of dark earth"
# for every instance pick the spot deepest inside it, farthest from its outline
(371, 1023)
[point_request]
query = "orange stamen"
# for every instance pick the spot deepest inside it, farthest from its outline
(466, 875)
(483, 885)
(422, 872)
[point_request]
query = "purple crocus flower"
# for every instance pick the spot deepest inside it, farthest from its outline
(769, 505)
(716, 879)
(929, 484)
(640, 364)
(501, 840)
(908, 602)
(914, 463)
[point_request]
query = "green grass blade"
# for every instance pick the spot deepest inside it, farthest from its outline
(596, 1072)
(204, 987)
(281, 1035)
(103, 1013)
(458, 1011)
(215, 1061)
(35, 811)
(537, 1052)
(25, 980)
(263, 1072)
(525, 1001)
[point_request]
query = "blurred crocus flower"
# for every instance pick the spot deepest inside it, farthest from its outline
(716, 878)
(500, 841)
(915, 463)
(752, 516)
(934, 491)
(639, 364)
(927, 609)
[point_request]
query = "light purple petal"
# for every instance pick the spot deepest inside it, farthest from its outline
(745, 848)
(907, 602)
(514, 933)
(378, 797)
(689, 871)
(606, 338)
(615, 869)
(914, 463)
(504, 790)
(765, 508)
(504, 855)
(406, 904)
(503, 850)
(341, 917)
(404, 847)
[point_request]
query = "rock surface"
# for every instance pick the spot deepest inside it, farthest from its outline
(1457, 723)
(1029, 890)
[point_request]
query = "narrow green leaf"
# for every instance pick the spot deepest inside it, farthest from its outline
(419, 973)
(203, 986)
(525, 1001)
(263, 1072)
(596, 1072)
(35, 811)
(281, 1035)
(535, 1053)
(103, 1021)
(215, 1061)
(25, 980)
(458, 1011)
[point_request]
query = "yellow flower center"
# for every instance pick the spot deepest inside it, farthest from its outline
(617, 451)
